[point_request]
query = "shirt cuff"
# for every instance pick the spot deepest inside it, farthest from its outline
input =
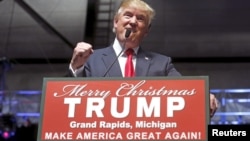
(77, 72)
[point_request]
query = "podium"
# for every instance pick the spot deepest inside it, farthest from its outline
(141, 108)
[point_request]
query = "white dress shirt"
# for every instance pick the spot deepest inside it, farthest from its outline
(123, 57)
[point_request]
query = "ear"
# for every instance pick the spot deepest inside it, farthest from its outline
(148, 30)
(114, 26)
(149, 26)
(115, 22)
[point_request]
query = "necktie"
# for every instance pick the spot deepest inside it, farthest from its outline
(129, 67)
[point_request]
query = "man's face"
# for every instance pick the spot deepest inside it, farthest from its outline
(134, 19)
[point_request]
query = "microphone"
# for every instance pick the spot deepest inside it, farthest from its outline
(127, 34)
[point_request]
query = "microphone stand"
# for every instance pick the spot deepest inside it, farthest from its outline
(128, 32)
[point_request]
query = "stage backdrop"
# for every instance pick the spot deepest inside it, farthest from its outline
(150, 108)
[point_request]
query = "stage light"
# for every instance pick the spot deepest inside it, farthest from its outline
(6, 135)
(7, 126)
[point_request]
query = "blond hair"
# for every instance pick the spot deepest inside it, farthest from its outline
(139, 4)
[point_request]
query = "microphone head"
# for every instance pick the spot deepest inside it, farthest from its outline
(128, 31)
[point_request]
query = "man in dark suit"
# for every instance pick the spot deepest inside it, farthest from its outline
(131, 24)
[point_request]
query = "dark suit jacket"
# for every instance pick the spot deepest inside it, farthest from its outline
(148, 64)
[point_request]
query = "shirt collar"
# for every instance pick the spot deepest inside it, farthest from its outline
(118, 48)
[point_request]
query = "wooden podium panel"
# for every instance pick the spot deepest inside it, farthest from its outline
(148, 108)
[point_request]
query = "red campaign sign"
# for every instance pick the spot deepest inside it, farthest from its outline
(159, 108)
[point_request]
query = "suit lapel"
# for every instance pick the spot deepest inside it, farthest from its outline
(142, 63)
(108, 58)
